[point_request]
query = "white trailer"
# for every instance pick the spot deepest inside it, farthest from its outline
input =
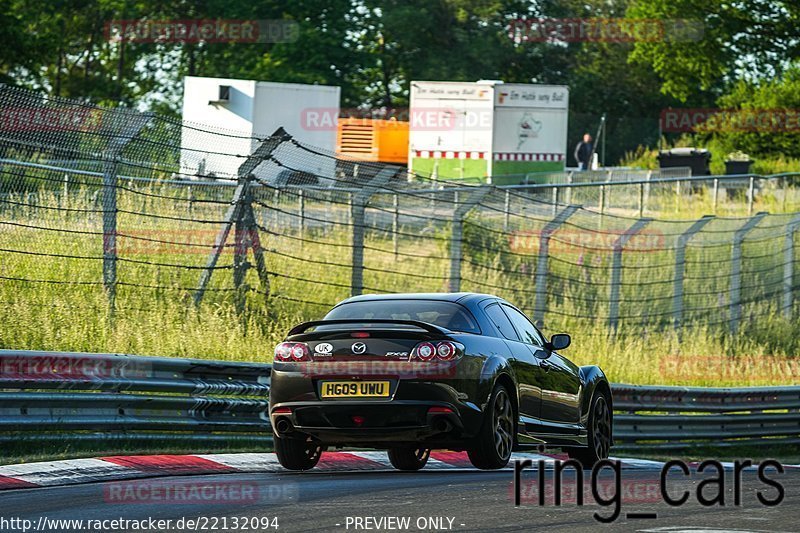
(487, 129)
(237, 110)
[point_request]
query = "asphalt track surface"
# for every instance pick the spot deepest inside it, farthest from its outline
(473, 500)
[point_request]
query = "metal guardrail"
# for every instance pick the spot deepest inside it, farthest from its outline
(78, 396)
(672, 418)
(83, 396)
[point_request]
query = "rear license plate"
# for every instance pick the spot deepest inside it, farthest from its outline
(355, 389)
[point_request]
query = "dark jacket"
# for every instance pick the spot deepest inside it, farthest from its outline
(583, 154)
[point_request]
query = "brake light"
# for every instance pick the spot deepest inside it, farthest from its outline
(445, 351)
(292, 351)
(282, 411)
(359, 334)
(425, 351)
(440, 411)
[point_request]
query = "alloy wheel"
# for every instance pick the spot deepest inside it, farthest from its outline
(503, 424)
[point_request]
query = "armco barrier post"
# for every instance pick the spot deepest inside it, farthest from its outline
(736, 269)
(358, 206)
(456, 241)
(680, 267)
(110, 159)
(788, 266)
(616, 270)
(540, 305)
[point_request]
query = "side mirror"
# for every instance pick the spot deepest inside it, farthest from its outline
(560, 341)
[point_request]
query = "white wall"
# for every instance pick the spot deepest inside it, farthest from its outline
(307, 112)
(235, 117)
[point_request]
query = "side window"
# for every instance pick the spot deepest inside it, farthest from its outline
(500, 321)
(526, 330)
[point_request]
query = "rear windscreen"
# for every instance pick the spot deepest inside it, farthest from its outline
(445, 314)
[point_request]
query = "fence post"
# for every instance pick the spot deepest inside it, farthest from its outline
(234, 213)
(751, 192)
(555, 200)
(301, 214)
(788, 267)
(395, 222)
(568, 192)
(116, 145)
(358, 206)
(736, 269)
(716, 194)
(641, 200)
(616, 270)
(506, 209)
(540, 305)
(680, 267)
(458, 233)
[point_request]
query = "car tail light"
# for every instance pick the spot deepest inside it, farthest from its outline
(444, 351)
(425, 351)
(292, 351)
(282, 411)
(440, 411)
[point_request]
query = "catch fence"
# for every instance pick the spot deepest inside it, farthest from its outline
(154, 212)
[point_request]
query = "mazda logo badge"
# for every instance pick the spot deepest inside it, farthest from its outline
(358, 348)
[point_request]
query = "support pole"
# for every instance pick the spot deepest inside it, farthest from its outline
(540, 305)
(680, 268)
(456, 244)
(616, 270)
(116, 145)
(301, 213)
(716, 194)
(736, 269)
(506, 209)
(751, 193)
(358, 206)
(395, 223)
(568, 192)
(238, 202)
(788, 267)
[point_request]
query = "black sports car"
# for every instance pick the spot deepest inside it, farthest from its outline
(415, 372)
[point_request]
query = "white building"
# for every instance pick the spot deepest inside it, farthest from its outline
(237, 110)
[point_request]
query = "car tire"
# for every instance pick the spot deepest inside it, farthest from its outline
(599, 432)
(495, 440)
(410, 459)
(297, 453)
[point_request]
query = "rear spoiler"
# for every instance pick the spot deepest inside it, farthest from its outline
(430, 328)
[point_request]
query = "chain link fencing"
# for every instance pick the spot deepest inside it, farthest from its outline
(109, 212)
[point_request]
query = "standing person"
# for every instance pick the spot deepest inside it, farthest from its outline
(583, 152)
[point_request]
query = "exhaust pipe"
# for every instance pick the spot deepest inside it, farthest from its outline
(283, 426)
(442, 425)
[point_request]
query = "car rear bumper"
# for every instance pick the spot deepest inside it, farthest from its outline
(377, 424)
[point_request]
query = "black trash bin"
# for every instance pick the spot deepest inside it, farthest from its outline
(738, 167)
(697, 159)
